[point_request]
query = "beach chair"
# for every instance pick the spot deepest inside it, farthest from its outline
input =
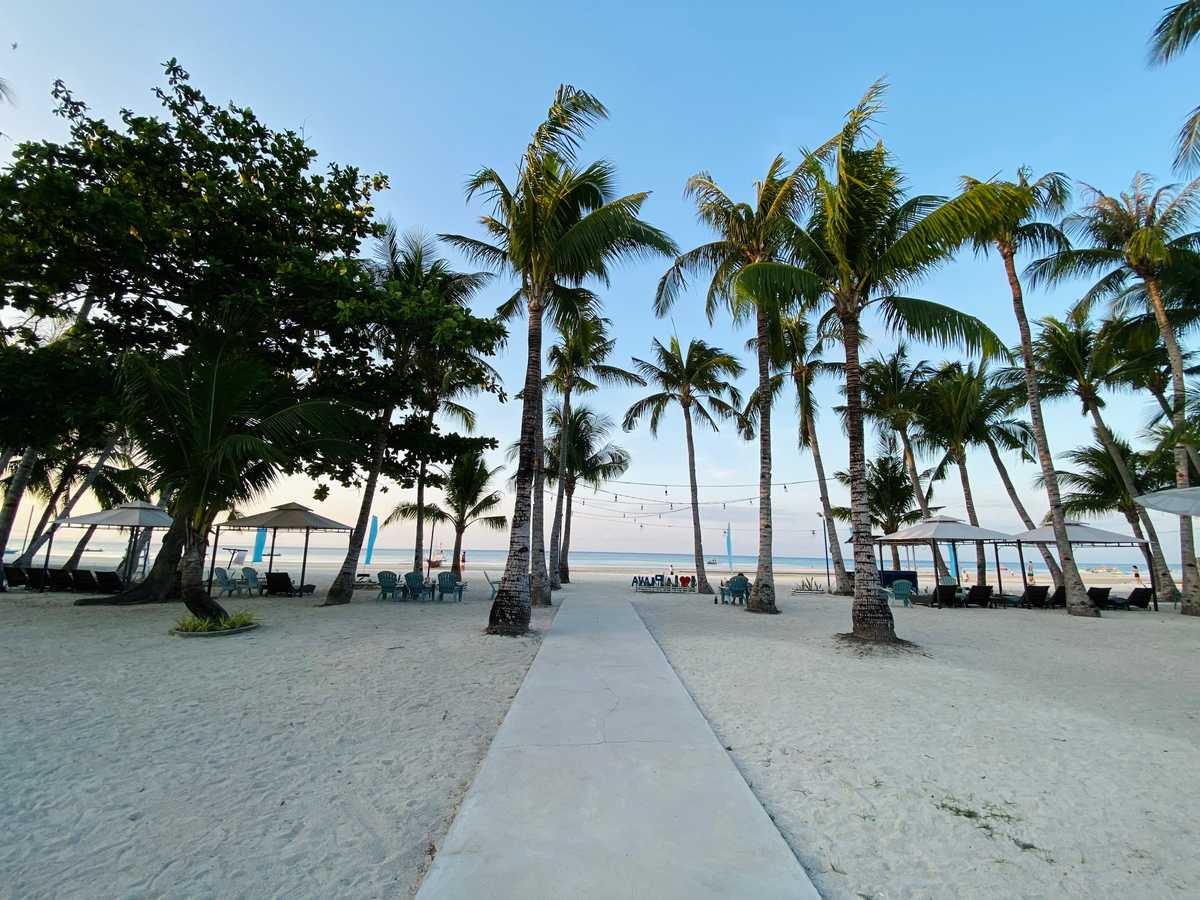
(15, 576)
(902, 590)
(39, 579)
(1139, 597)
(979, 594)
(250, 579)
(447, 583)
(1099, 597)
(84, 580)
(280, 584)
(110, 582)
(415, 585)
(945, 595)
(59, 580)
(225, 584)
(736, 590)
(389, 585)
(491, 584)
(1035, 596)
(1058, 598)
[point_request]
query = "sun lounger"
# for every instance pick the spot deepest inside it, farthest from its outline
(39, 579)
(1058, 598)
(280, 584)
(110, 582)
(1035, 596)
(15, 577)
(1099, 597)
(946, 595)
(59, 580)
(84, 581)
(979, 594)
(1139, 597)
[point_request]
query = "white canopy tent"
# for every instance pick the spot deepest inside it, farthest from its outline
(1178, 501)
(947, 530)
(135, 516)
(1083, 535)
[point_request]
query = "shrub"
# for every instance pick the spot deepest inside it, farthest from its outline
(236, 620)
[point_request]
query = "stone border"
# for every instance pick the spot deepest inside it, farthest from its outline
(227, 631)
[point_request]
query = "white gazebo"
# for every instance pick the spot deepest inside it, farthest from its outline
(947, 530)
(1083, 535)
(135, 516)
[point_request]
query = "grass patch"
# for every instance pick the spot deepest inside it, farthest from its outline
(193, 624)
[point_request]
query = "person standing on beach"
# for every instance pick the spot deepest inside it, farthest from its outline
(1029, 573)
(1137, 576)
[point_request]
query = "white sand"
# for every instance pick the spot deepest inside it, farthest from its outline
(1075, 742)
(318, 756)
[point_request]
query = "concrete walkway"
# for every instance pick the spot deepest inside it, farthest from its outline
(605, 781)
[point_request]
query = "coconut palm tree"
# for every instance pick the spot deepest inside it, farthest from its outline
(1139, 237)
(1174, 33)
(1075, 359)
(865, 245)
(1016, 225)
(577, 365)
(554, 229)
(891, 500)
(698, 380)
(594, 460)
(469, 501)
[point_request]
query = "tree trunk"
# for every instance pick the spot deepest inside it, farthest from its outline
(842, 583)
(702, 585)
(1026, 519)
(1167, 588)
(342, 589)
(419, 539)
(12, 497)
(1135, 526)
(564, 562)
(1190, 596)
(40, 535)
(564, 465)
(159, 584)
(456, 566)
(969, 502)
(73, 563)
(1076, 594)
(871, 615)
(539, 578)
(914, 479)
(511, 609)
(192, 587)
(762, 592)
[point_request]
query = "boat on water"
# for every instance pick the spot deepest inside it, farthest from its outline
(436, 562)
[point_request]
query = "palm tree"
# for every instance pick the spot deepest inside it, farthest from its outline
(1075, 359)
(747, 234)
(215, 432)
(557, 227)
(594, 460)
(1098, 488)
(468, 502)
(577, 365)
(1174, 33)
(865, 244)
(1140, 237)
(891, 500)
(698, 380)
(1015, 225)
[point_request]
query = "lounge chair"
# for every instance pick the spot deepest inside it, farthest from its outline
(280, 584)
(415, 585)
(250, 579)
(1139, 597)
(946, 595)
(736, 590)
(110, 582)
(389, 585)
(1099, 597)
(84, 581)
(979, 594)
(15, 576)
(448, 583)
(493, 585)
(225, 584)
(1058, 598)
(902, 590)
(59, 580)
(1035, 596)
(39, 579)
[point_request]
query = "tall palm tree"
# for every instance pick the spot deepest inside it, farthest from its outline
(557, 227)
(1174, 33)
(595, 459)
(1140, 237)
(469, 501)
(1098, 488)
(698, 380)
(866, 243)
(1074, 359)
(746, 234)
(1015, 225)
(891, 500)
(577, 365)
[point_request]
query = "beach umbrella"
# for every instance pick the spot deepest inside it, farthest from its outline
(260, 544)
(729, 546)
(371, 535)
(1179, 501)
(135, 516)
(285, 517)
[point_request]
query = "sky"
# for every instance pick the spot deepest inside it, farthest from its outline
(428, 93)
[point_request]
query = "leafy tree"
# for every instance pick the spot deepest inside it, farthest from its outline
(892, 502)
(699, 381)
(556, 228)
(468, 502)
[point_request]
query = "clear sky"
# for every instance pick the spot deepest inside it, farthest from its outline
(427, 92)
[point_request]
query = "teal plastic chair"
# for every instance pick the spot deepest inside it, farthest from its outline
(389, 586)
(447, 583)
(737, 589)
(415, 585)
(250, 576)
(902, 591)
(225, 584)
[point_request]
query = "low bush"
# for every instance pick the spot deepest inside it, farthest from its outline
(236, 620)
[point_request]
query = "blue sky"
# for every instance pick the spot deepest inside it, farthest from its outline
(428, 92)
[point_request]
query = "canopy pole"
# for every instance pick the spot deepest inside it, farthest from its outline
(1021, 557)
(271, 558)
(304, 562)
(1153, 588)
(212, 563)
(999, 577)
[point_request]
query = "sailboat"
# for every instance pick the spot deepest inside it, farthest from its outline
(436, 562)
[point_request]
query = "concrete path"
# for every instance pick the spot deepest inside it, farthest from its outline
(605, 781)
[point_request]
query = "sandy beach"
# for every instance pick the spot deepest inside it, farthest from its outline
(321, 755)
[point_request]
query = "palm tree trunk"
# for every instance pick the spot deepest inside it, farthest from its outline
(564, 562)
(50, 512)
(342, 589)
(6, 457)
(762, 592)
(191, 569)
(702, 585)
(1165, 582)
(914, 478)
(77, 554)
(159, 584)
(456, 566)
(1076, 594)
(1026, 519)
(841, 580)
(419, 537)
(969, 502)
(1190, 605)
(1135, 526)
(539, 578)
(559, 492)
(12, 497)
(511, 609)
(871, 616)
